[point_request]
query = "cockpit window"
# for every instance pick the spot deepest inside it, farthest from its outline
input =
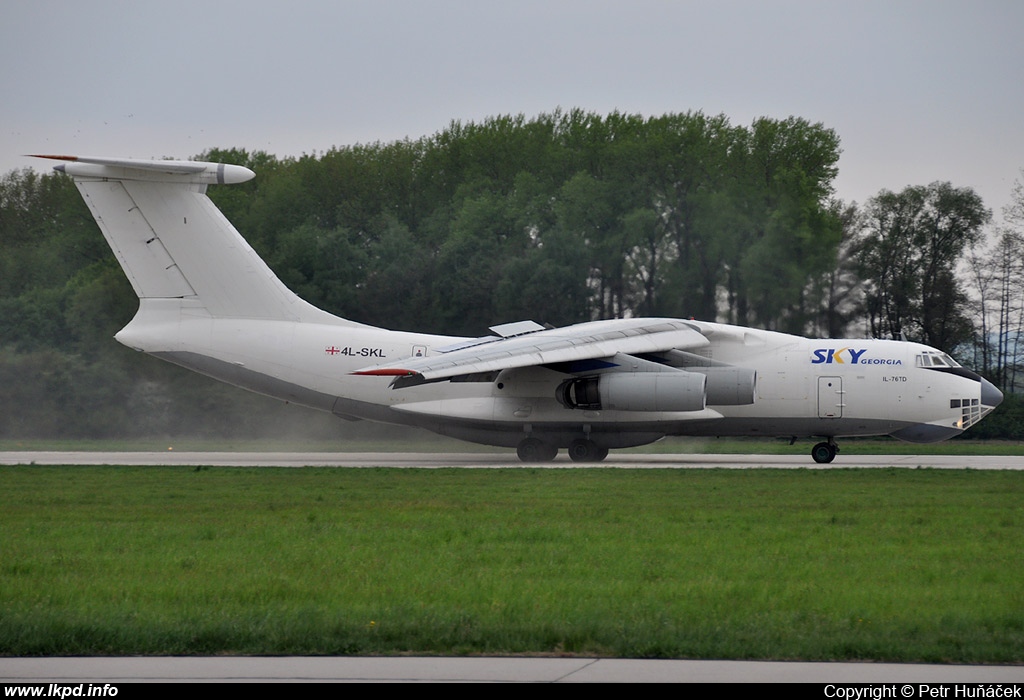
(935, 359)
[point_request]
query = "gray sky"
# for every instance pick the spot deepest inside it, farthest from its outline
(917, 90)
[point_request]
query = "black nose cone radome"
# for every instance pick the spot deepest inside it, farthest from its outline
(990, 396)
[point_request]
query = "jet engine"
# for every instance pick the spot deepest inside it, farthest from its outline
(661, 391)
(729, 386)
(635, 391)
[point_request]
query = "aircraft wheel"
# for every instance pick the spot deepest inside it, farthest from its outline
(824, 452)
(586, 451)
(534, 450)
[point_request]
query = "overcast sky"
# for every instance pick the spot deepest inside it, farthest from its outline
(918, 90)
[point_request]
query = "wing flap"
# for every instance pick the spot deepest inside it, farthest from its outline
(484, 410)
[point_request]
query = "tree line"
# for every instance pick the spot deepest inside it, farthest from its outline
(561, 218)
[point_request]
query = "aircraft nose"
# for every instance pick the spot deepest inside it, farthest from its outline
(990, 395)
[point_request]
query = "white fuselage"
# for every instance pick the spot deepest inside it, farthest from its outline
(804, 387)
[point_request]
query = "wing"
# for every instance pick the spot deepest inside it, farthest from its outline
(592, 341)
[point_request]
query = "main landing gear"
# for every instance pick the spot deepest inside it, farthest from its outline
(824, 452)
(534, 450)
(586, 451)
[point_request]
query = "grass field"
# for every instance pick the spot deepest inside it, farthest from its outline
(898, 565)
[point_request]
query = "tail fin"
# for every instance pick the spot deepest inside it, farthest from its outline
(173, 243)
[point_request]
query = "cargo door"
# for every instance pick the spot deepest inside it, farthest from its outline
(830, 397)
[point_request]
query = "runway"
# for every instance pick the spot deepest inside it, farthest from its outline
(97, 671)
(442, 460)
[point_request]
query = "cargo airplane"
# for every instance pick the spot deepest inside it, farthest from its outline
(207, 302)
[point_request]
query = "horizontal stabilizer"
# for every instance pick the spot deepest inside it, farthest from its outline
(197, 172)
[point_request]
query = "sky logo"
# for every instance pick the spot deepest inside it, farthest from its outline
(829, 355)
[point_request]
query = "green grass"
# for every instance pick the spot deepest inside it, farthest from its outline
(893, 564)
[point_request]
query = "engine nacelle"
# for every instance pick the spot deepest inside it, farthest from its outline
(635, 391)
(729, 386)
